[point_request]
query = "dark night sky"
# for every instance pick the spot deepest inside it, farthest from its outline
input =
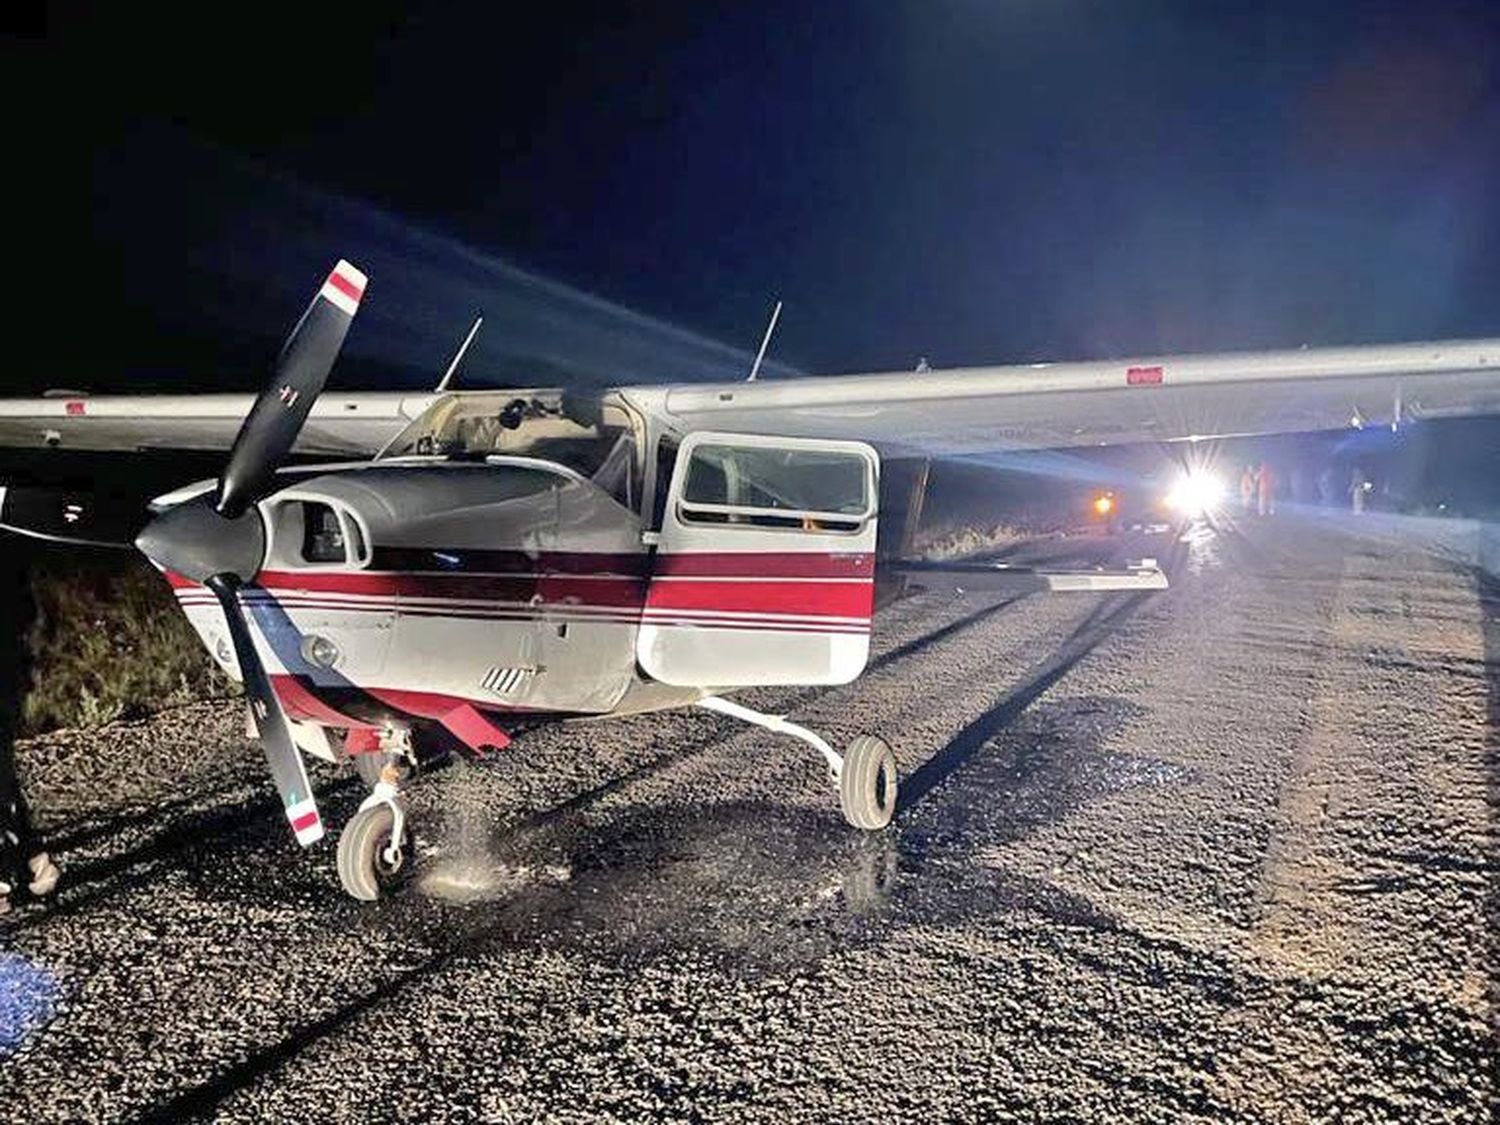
(969, 180)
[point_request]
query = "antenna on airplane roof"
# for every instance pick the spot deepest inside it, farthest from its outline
(765, 341)
(459, 355)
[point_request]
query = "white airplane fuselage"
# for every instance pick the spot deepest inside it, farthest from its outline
(477, 594)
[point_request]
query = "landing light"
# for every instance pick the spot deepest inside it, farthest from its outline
(1104, 504)
(320, 651)
(1196, 493)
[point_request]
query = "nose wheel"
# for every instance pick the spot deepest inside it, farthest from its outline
(371, 860)
(375, 846)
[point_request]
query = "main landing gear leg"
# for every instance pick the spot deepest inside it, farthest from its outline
(865, 775)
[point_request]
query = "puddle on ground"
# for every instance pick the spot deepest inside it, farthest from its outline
(768, 885)
(472, 878)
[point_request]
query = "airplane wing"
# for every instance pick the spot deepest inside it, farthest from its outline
(339, 425)
(1061, 405)
(958, 410)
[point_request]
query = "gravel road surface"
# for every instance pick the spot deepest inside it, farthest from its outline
(1226, 852)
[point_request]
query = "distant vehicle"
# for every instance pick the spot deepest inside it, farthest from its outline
(515, 556)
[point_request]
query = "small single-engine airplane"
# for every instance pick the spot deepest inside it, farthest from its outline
(511, 556)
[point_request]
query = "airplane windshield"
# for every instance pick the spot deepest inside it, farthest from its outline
(522, 424)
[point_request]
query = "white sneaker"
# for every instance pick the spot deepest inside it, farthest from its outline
(45, 874)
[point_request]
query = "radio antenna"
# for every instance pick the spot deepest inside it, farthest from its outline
(458, 356)
(764, 343)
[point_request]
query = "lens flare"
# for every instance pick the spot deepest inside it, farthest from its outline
(1196, 493)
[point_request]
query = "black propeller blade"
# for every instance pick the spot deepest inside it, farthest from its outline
(62, 515)
(217, 540)
(287, 769)
(270, 429)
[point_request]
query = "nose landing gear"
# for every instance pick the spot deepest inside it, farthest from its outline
(374, 846)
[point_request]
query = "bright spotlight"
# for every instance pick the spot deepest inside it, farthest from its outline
(1196, 493)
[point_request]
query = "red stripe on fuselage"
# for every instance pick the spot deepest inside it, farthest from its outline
(750, 564)
(835, 599)
(567, 589)
(470, 560)
(764, 625)
(785, 583)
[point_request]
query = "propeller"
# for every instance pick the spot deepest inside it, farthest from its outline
(60, 515)
(270, 429)
(218, 540)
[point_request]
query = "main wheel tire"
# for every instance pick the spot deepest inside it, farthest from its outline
(867, 783)
(363, 868)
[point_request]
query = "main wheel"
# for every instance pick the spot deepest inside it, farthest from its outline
(363, 867)
(867, 783)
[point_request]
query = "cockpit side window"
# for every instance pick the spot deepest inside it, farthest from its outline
(618, 474)
(311, 534)
(322, 534)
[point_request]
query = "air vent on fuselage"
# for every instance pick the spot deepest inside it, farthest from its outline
(503, 681)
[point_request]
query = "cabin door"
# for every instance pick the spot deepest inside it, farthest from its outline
(765, 566)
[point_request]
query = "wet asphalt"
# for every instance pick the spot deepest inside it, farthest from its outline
(1226, 852)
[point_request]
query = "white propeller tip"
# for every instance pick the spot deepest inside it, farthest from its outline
(345, 287)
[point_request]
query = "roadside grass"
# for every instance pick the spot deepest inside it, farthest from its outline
(109, 642)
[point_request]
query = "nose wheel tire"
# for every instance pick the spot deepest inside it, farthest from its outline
(365, 870)
(867, 783)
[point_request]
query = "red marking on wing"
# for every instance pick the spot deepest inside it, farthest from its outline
(74, 407)
(1143, 376)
